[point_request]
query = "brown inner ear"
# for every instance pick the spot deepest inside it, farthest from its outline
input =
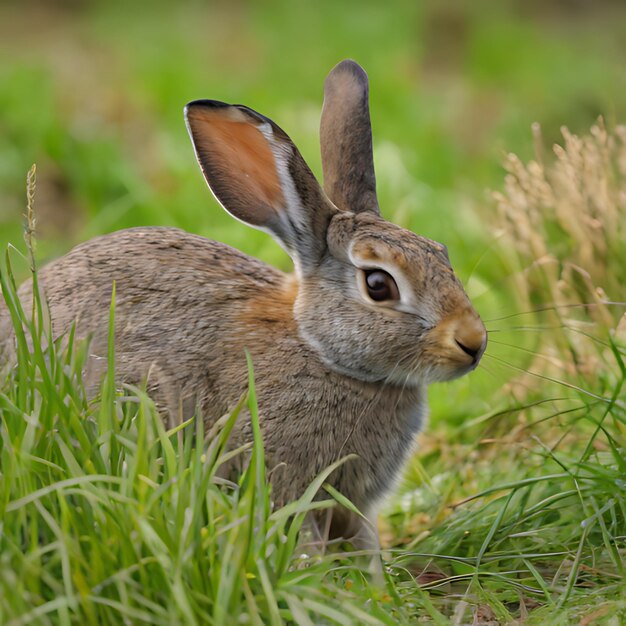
(238, 164)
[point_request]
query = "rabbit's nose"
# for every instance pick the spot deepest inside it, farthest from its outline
(471, 336)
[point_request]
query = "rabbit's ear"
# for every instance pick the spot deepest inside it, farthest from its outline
(259, 177)
(346, 140)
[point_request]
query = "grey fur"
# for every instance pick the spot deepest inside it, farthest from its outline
(346, 140)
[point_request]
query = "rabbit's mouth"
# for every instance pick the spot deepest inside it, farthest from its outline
(473, 351)
(454, 347)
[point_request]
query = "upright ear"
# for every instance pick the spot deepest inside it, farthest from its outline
(257, 174)
(346, 140)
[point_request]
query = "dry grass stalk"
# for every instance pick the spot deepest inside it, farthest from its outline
(566, 222)
(29, 216)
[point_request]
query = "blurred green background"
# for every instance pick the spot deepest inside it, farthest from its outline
(93, 92)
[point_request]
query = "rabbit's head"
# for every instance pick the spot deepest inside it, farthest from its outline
(375, 301)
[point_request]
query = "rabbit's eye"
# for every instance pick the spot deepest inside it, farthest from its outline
(380, 286)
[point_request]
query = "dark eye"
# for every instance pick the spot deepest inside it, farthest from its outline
(380, 286)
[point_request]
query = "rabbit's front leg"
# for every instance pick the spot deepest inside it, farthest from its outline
(362, 533)
(331, 527)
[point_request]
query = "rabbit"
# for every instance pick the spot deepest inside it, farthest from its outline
(343, 347)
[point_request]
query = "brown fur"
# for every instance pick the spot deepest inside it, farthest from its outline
(272, 308)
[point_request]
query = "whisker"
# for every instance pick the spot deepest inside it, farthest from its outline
(552, 380)
(557, 307)
(407, 360)
(546, 357)
(590, 336)
(518, 408)
(573, 329)
(487, 370)
(536, 328)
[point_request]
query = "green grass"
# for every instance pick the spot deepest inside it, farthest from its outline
(513, 508)
(106, 516)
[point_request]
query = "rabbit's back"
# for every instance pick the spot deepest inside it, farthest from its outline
(177, 298)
